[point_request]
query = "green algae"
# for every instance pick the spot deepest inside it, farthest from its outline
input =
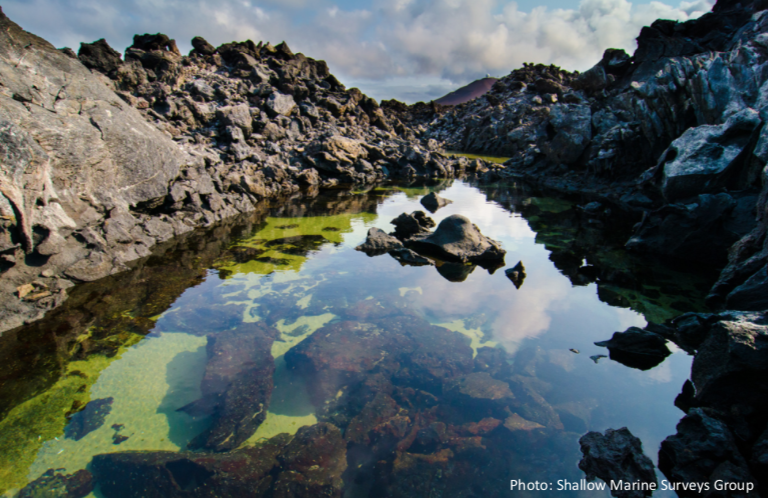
(31, 425)
(168, 370)
(491, 159)
(285, 243)
(476, 336)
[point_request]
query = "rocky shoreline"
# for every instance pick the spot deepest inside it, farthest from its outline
(106, 156)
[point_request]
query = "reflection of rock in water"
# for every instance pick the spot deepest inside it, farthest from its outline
(298, 245)
(305, 466)
(88, 419)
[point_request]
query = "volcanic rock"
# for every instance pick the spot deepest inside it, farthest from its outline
(637, 348)
(378, 242)
(433, 202)
(616, 456)
(237, 385)
(457, 239)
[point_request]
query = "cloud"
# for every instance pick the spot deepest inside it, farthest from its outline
(378, 44)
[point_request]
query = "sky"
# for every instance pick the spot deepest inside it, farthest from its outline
(411, 50)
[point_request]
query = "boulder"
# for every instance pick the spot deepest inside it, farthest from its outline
(378, 242)
(279, 104)
(694, 162)
(637, 348)
(202, 47)
(408, 225)
(616, 456)
(237, 385)
(99, 56)
(457, 239)
(236, 115)
(433, 202)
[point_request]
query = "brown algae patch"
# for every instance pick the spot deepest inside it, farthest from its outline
(148, 384)
(490, 159)
(476, 336)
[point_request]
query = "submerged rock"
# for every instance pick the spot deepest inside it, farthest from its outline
(308, 465)
(637, 348)
(457, 239)
(379, 242)
(342, 354)
(433, 202)
(237, 385)
(55, 485)
(89, 418)
(616, 456)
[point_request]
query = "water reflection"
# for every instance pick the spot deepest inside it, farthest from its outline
(472, 383)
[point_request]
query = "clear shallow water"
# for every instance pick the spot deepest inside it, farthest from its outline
(295, 269)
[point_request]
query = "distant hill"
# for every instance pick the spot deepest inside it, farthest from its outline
(467, 93)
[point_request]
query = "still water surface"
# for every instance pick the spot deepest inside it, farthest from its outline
(302, 276)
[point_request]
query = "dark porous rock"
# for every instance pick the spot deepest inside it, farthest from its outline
(731, 366)
(616, 456)
(56, 485)
(313, 463)
(342, 355)
(701, 445)
(379, 242)
(237, 385)
(516, 274)
(457, 239)
(637, 348)
(202, 46)
(700, 230)
(308, 464)
(433, 202)
(408, 225)
(88, 419)
(752, 295)
(99, 56)
(410, 258)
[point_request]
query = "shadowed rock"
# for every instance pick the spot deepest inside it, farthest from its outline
(408, 225)
(616, 456)
(410, 258)
(237, 385)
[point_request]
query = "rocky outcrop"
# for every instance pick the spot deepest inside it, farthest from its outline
(617, 456)
(674, 132)
(104, 156)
